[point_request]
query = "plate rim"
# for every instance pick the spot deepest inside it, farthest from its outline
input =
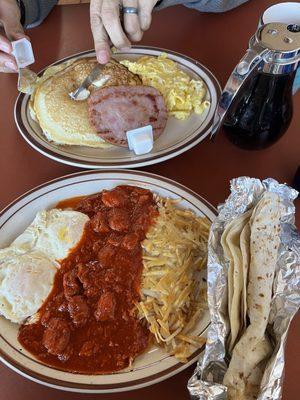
(69, 160)
(21, 369)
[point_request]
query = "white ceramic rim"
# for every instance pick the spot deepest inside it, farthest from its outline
(197, 136)
(142, 178)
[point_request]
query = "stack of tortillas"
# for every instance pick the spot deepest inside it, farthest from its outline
(250, 244)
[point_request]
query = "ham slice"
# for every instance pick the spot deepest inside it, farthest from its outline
(115, 110)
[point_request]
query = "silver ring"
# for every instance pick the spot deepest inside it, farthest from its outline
(130, 10)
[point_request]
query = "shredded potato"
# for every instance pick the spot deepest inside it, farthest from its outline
(173, 290)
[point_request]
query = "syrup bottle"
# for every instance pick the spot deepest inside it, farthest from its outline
(256, 106)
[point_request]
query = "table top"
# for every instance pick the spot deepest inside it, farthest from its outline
(218, 41)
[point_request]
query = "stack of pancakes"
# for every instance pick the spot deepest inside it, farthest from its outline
(63, 120)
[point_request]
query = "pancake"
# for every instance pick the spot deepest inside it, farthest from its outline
(63, 120)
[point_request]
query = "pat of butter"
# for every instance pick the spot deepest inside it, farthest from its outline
(140, 140)
(83, 95)
(100, 82)
(23, 53)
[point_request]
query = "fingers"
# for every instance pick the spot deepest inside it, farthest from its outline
(7, 60)
(106, 24)
(101, 40)
(10, 21)
(145, 13)
(5, 45)
(131, 22)
(7, 63)
(111, 20)
(13, 31)
(10, 18)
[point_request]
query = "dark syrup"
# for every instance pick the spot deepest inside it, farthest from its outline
(261, 112)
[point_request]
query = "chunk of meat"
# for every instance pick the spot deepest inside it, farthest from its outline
(89, 277)
(139, 190)
(122, 261)
(115, 110)
(143, 198)
(122, 361)
(141, 334)
(97, 246)
(140, 195)
(106, 255)
(56, 336)
(110, 278)
(90, 205)
(46, 317)
(130, 241)
(114, 198)
(99, 223)
(82, 271)
(105, 309)
(88, 349)
(118, 220)
(78, 310)
(144, 216)
(63, 306)
(66, 354)
(115, 239)
(71, 284)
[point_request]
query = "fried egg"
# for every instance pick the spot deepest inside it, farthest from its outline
(182, 94)
(53, 232)
(26, 280)
(29, 264)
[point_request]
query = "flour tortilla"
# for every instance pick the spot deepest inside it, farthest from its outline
(247, 366)
(232, 250)
(264, 244)
(251, 353)
(227, 255)
(245, 250)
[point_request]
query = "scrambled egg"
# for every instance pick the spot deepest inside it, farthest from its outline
(182, 94)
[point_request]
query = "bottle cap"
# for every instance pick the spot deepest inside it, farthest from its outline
(23, 53)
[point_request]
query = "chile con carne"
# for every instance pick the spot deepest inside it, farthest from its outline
(88, 323)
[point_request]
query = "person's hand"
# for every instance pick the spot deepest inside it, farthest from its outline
(107, 28)
(10, 29)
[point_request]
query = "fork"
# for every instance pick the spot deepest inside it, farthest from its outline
(87, 82)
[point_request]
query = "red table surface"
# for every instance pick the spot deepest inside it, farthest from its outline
(216, 40)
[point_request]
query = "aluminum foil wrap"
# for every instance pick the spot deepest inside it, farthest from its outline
(206, 382)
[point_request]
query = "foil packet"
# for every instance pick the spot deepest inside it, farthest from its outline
(206, 382)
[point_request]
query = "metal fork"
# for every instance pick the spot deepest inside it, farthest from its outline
(88, 81)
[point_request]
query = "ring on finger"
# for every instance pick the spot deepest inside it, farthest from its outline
(130, 10)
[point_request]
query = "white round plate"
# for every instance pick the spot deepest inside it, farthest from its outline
(152, 366)
(178, 137)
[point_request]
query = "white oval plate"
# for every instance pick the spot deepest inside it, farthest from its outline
(178, 137)
(151, 367)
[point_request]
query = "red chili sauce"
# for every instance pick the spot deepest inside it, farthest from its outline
(88, 323)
